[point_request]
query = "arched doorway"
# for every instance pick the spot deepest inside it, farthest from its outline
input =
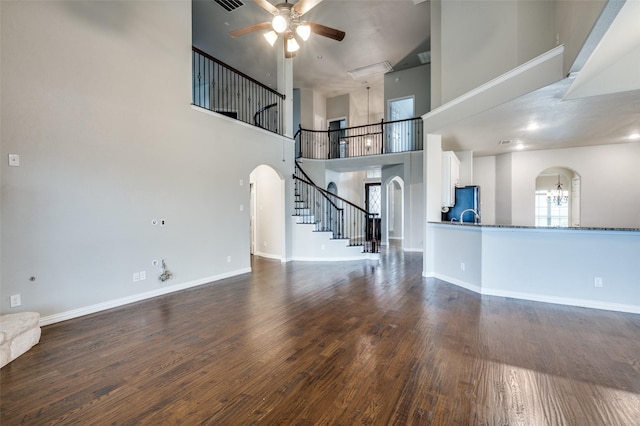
(267, 213)
(395, 211)
(331, 214)
(557, 197)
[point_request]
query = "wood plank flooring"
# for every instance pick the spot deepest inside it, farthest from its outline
(353, 343)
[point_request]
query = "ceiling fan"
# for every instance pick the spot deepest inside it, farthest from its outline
(286, 21)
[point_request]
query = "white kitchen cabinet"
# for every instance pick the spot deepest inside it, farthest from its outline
(450, 177)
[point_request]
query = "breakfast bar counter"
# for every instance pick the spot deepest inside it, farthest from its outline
(595, 267)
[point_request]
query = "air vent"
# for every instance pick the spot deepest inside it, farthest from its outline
(425, 57)
(505, 142)
(229, 5)
(370, 70)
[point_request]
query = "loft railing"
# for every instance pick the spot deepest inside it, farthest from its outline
(330, 212)
(219, 87)
(371, 139)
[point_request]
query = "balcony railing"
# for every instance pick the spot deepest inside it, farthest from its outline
(371, 139)
(221, 88)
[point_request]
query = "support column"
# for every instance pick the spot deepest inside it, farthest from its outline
(432, 196)
(285, 86)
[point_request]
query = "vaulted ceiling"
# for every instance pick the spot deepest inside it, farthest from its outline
(376, 31)
(599, 104)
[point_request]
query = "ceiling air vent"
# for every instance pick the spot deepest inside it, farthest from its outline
(505, 142)
(425, 57)
(370, 70)
(229, 5)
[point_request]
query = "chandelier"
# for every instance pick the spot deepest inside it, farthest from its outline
(558, 196)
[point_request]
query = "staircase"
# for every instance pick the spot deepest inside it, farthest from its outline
(328, 227)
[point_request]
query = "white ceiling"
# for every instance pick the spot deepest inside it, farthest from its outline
(376, 31)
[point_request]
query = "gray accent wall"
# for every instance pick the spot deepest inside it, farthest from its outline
(410, 82)
(96, 101)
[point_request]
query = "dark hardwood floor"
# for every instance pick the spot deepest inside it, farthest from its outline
(331, 344)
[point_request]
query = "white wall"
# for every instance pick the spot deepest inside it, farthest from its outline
(484, 175)
(504, 176)
(609, 174)
(414, 203)
(350, 185)
(96, 100)
(270, 212)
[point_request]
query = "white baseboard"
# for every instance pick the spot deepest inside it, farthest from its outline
(534, 297)
(417, 250)
(267, 255)
(86, 310)
(329, 259)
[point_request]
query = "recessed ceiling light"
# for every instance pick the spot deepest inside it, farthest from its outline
(319, 57)
(533, 126)
(634, 136)
(520, 146)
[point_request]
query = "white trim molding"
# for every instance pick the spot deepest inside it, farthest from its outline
(86, 310)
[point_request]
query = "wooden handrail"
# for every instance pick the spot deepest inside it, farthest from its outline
(325, 192)
(253, 80)
(383, 123)
(313, 185)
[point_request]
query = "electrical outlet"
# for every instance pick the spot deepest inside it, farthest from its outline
(14, 160)
(241, 207)
(463, 266)
(136, 277)
(597, 282)
(229, 259)
(16, 300)
(154, 262)
(143, 275)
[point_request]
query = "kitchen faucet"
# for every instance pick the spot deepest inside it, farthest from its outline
(476, 218)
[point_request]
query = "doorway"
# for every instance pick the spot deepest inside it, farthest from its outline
(267, 213)
(337, 147)
(395, 210)
(400, 135)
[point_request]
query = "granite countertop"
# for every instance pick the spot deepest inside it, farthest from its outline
(570, 228)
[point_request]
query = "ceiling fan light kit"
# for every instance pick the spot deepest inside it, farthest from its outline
(279, 24)
(292, 45)
(286, 20)
(304, 31)
(271, 37)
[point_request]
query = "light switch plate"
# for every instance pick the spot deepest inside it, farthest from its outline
(14, 160)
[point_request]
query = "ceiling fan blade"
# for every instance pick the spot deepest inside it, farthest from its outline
(303, 6)
(326, 31)
(250, 29)
(266, 6)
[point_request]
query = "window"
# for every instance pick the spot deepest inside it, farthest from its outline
(373, 197)
(549, 213)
